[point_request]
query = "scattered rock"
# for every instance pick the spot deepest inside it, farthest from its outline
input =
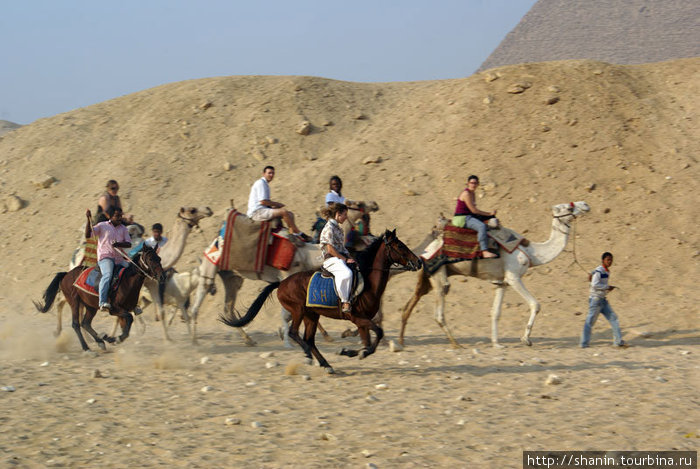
(304, 128)
(13, 203)
(553, 89)
(232, 421)
(207, 389)
(488, 99)
(269, 365)
(552, 100)
(685, 352)
(206, 105)
(572, 122)
(381, 386)
(553, 379)
(591, 187)
(97, 374)
(45, 364)
(371, 398)
(490, 76)
(271, 140)
(305, 378)
(256, 425)
(661, 379)
(267, 355)
(607, 210)
(410, 192)
(8, 388)
(91, 401)
(515, 89)
(328, 437)
(44, 181)
(359, 116)
(461, 422)
(372, 160)
(366, 453)
(546, 128)
(258, 154)
(597, 72)
(228, 166)
(327, 123)
(371, 465)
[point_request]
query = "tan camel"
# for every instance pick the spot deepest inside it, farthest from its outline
(507, 270)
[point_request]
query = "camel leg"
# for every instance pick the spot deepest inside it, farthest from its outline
(519, 286)
(441, 284)
(59, 314)
(284, 329)
(160, 310)
(422, 287)
(496, 313)
(233, 283)
(207, 271)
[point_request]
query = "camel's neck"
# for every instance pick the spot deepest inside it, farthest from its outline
(172, 250)
(542, 253)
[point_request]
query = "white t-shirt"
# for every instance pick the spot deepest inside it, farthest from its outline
(151, 242)
(333, 196)
(260, 191)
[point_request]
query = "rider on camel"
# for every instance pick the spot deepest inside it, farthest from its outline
(262, 208)
(468, 216)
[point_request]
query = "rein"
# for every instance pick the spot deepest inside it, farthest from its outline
(128, 259)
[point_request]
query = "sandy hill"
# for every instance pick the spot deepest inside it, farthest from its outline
(621, 137)
(619, 31)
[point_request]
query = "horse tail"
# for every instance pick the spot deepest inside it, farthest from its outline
(253, 310)
(50, 293)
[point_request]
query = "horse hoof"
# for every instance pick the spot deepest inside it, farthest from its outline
(308, 361)
(137, 311)
(328, 338)
(330, 370)
(362, 354)
(102, 346)
(250, 342)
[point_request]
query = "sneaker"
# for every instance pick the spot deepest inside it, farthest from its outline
(622, 344)
(488, 255)
(105, 307)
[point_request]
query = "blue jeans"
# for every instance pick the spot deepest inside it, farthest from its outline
(106, 269)
(600, 306)
(478, 226)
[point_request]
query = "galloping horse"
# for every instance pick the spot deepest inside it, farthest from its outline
(374, 264)
(146, 263)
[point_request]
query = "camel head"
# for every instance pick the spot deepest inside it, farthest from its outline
(368, 206)
(192, 215)
(569, 211)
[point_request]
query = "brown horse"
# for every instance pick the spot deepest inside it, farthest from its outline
(125, 299)
(374, 264)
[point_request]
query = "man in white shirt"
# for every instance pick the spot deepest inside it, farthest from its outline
(262, 208)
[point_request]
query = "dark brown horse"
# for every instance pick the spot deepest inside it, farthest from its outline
(125, 299)
(374, 263)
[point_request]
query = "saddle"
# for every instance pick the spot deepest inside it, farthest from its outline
(89, 280)
(321, 292)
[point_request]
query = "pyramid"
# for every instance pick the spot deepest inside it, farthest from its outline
(6, 126)
(614, 31)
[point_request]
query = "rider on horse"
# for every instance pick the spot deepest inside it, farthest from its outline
(335, 255)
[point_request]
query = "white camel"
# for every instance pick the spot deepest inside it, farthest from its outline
(507, 270)
(179, 287)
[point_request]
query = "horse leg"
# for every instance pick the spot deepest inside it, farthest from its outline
(87, 325)
(310, 324)
(496, 313)
(126, 320)
(519, 286)
(326, 336)
(294, 334)
(76, 324)
(422, 287)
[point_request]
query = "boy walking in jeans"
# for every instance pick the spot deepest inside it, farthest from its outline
(598, 303)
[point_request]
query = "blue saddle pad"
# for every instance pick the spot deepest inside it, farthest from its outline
(93, 278)
(321, 292)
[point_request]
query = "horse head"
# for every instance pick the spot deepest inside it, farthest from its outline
(567, 212)
(192, 215)
(149, 261)
(398, 252)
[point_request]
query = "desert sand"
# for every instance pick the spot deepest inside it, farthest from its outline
(623, 138)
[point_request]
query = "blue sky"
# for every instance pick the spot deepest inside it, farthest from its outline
(62, 55)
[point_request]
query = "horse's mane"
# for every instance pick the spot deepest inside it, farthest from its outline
(365, 258)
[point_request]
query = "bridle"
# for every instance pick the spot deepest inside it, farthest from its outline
(390, 256)
(190, 222)
(570, 214)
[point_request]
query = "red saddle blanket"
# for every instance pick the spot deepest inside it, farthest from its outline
(460, 243)
(89, 280)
